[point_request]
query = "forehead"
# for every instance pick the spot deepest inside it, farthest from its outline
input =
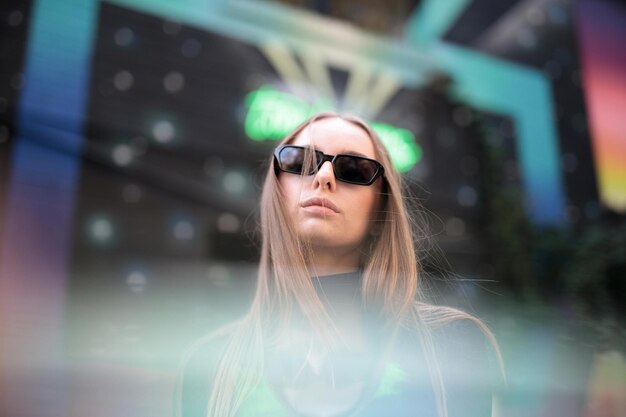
(335, 135)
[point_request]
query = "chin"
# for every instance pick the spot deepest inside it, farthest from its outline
(317, 238)
(317, 235)
(332, 241)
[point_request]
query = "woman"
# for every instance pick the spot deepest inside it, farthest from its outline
(339, 325)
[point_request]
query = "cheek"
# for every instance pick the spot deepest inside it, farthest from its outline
(368, 207)
(290, 186)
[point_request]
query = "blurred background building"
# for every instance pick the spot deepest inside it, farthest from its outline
(134, 135)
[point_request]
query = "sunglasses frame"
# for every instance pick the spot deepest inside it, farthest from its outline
(380, 170)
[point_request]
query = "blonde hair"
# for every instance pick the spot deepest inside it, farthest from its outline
(390, 280)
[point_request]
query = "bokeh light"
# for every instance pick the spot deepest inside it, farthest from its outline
(123, 80)
(101, 230)
(163, 131)
(234, 182)
(124, 36)
(122, 155)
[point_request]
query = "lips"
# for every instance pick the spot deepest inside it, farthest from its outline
(320, 202)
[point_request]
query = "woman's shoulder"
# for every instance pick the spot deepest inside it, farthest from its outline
(468, 357)
(460, 335)
(449, 325)
(466, 348)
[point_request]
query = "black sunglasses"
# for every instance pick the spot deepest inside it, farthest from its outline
(347, 168)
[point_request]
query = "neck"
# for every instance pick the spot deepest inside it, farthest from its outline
(328, 262)
(340, 295)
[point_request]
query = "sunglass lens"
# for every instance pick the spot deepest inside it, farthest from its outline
(354, 169)
(291, 159)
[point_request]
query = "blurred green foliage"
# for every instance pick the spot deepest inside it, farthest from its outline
(576, 273)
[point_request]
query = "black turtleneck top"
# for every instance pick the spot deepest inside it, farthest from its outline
(371, 373)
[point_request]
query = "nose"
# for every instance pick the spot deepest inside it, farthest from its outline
(325, 177)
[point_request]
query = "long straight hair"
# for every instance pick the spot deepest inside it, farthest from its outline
(391, 280)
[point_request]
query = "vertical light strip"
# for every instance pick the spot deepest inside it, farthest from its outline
(34, 250)
(603, 57)
(491, 84)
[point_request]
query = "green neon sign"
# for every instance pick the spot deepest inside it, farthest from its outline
(272, 114)
(400, 144)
